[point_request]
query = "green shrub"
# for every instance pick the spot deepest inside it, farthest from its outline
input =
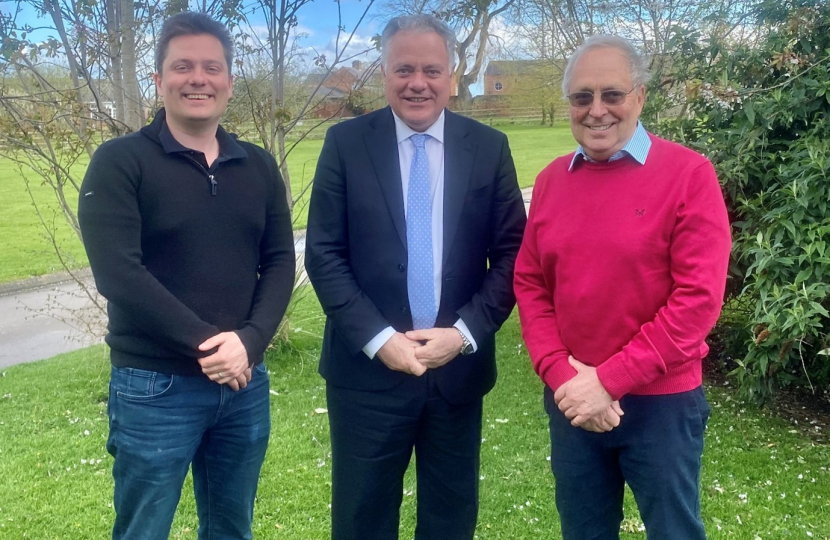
(762, 115)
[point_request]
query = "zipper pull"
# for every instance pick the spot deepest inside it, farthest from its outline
(213, 184)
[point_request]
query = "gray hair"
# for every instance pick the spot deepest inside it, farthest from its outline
(420, 22)
(639, 71)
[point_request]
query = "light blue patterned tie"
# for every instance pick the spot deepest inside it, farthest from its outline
(419, 275)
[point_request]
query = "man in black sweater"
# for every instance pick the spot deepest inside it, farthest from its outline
(189, 238)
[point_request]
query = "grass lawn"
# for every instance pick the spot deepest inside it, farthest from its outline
(26, 250)
(761, 479)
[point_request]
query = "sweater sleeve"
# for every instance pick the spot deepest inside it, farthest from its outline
(534, 296)
(110, 220)
(699, 254)
(276, 271)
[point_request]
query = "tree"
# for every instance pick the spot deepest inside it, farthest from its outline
(762, 115)
(54, 116)
(279, 53)
(552, 29)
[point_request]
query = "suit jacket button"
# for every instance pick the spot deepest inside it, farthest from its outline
(404, 310)
(402, 267)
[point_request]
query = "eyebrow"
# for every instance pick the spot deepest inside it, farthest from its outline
(602, 89)
(412, 66)
(209, 61)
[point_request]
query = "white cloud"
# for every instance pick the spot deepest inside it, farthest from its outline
(360, 47)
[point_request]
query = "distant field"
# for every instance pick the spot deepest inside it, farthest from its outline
(26, 250)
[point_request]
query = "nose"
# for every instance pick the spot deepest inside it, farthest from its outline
(197, 76)
(598, 108)
(418, 81)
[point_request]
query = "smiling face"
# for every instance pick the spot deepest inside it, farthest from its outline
(602, 129)
(195, 82)
(416, 77)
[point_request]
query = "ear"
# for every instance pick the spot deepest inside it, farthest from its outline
(230, 86)
(640, 94)
(157, 80)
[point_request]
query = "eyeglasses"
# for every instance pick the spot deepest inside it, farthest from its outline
(609, 97)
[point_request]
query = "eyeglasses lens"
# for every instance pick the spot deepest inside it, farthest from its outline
(586, 99)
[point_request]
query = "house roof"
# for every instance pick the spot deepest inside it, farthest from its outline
(315, 78)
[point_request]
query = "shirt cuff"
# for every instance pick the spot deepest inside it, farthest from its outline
(372, 348)
(466, 331)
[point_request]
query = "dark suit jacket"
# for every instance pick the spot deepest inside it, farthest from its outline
(356, 251)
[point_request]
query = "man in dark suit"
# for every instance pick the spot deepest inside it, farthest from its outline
(414, 225)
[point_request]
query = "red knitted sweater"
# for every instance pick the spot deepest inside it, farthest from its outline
(624, 266)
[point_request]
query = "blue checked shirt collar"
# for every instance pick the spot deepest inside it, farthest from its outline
(637, 147)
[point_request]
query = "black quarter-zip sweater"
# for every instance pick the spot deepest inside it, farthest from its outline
(182, 251)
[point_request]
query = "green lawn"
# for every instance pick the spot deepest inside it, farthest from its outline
(761, 478)
(26, 250)
(534, 146)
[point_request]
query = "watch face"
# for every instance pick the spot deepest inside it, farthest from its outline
(468, 349)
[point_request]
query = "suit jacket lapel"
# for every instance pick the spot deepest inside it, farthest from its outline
(382, 145)
(459, 152)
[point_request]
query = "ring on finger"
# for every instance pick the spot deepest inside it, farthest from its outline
(221, 375)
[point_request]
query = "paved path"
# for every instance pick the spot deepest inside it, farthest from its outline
(41, 320)
(39, 317)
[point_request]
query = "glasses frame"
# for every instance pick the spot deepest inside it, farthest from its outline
(601, 97)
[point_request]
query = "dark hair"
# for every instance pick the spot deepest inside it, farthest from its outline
(191, 23)
(417, 23)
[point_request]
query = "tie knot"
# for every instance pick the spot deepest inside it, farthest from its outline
(419, 140)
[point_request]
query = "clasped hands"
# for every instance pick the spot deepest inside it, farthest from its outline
(229, 363)
(418, 350)
(585, 402)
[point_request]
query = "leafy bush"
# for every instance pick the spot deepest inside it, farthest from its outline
(761, 113)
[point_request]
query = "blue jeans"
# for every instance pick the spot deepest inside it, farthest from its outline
(161, 424)
(656, 449)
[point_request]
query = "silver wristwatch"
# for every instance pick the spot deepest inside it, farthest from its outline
(466, 346)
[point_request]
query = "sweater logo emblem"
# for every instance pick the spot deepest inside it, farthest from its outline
(639, 212)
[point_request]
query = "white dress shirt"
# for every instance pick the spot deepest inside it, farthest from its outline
(435, 157)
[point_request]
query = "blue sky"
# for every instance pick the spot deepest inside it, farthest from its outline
(318, 20)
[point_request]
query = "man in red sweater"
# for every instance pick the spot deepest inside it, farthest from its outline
(619, 279)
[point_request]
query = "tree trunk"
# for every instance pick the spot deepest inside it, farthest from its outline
(134, 114)
(114, 50)
(74, 69)
(279, 43)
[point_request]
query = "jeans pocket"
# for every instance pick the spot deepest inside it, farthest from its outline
(260, 368)
(135, 384)
(701, 411)
(703, 407)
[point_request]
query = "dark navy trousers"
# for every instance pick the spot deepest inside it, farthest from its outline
(373, 435)
(656, 449)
